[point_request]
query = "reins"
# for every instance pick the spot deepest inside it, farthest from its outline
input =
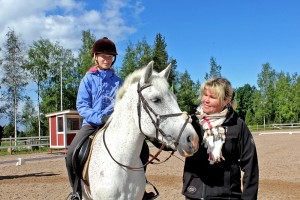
(142, 101)
(130, 167)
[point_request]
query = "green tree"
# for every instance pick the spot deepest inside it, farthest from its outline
(1, 133)
(129, 63)
(215, 70)
(85, 59)
(266, 83)
(14, 79)
(59, 89)
(258, 107)
(143, 52)
(160, 55)
(187, 97)
(136, 56)
(285, 108)
(282, 98)
(38, 64)
(8, 130)
(243, 98)
(249, 118)
(296, 100)
(54, 71)
(29, 118)
(161, 58)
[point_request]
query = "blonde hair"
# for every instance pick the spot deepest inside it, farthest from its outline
(221, 87)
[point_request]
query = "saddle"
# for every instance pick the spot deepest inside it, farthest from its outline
(82, 151)
(81, 154)
(80, 161)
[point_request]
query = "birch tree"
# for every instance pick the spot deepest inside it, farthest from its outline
(14, 79)
(38, 65)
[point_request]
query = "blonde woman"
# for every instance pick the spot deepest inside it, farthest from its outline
(226, 149)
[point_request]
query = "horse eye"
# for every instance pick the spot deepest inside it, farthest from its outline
(156, 100)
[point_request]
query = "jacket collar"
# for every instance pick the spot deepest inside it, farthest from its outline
(96, 68)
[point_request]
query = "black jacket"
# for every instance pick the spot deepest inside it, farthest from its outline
(223, 180)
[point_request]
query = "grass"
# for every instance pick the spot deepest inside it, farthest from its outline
(20, 151)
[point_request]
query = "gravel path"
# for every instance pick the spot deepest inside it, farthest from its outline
(44, 175)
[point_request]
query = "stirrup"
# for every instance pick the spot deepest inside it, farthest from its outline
(156, 191)
(74, 196)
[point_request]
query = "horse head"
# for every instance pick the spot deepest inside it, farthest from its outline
(159, 115)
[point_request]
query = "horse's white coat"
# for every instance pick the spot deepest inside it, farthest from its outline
(107, 179)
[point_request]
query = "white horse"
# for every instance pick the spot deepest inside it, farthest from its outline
(144, 107)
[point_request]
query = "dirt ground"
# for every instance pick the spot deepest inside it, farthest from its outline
(44, 175)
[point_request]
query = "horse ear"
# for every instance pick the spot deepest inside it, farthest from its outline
(166, 72)
(148, 72)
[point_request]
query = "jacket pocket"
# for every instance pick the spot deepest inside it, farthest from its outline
(192, 186)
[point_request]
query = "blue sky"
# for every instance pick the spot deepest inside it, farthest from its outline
(241, 35)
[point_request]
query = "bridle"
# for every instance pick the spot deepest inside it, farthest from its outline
(156, 122)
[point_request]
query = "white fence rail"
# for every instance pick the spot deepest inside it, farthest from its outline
(21, 143)
(274, 126)
(279, 132)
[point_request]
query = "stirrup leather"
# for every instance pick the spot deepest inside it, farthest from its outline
(156, 191)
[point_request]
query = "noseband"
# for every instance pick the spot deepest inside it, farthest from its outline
(156, 122)
(142, 102)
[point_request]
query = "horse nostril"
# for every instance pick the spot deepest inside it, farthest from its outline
(189, 139)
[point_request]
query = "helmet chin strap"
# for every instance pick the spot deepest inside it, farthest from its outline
(113, 62)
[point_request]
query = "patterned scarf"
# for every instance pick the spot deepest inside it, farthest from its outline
(214, 133)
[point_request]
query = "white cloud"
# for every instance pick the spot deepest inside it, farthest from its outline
(64, 20)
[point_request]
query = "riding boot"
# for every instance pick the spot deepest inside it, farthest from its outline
(148, 195)
(76, 193)
(71, 174)
(145, 153)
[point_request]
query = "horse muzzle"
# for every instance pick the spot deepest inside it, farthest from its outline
(189, 146)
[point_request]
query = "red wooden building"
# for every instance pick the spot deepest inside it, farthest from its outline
(63, 126)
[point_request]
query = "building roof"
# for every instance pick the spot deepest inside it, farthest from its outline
(63, 112)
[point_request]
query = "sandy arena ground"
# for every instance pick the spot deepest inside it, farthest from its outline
(44, 175)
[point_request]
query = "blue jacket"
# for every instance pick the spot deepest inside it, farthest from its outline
(96, 95)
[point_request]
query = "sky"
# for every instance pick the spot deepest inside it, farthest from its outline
(240, 35)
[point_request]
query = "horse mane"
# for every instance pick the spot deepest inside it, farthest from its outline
(133, 78)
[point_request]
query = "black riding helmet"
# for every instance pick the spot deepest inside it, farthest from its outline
(105, 46)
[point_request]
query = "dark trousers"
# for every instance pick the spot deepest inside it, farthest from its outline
(145, 153)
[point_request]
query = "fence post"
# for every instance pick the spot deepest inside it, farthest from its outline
(10, 144)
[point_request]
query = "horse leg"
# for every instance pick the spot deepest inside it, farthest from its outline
(145, 153)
